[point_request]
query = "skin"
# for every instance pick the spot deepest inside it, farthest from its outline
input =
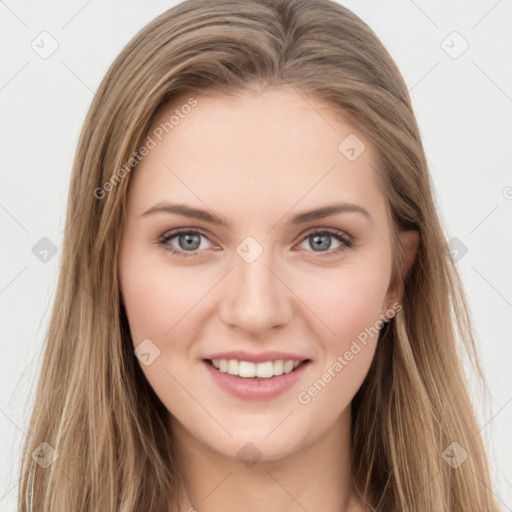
(257, 159)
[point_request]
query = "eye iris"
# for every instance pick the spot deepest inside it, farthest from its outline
(189, 237)
(323, 239)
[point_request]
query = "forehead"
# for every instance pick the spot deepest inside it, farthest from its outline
(272, 148)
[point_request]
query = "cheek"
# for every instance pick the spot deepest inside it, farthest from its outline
(350, 305)
(162, 305)
(157, 298)
(347, 302)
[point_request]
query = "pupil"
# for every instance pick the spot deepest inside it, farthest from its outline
(325, 238)
(190, 240)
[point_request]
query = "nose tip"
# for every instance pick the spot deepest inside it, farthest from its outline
(256, 299)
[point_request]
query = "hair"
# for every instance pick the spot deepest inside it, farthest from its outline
(93, 404)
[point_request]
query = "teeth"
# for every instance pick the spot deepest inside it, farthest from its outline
(233, 366)
(288, 366)
(263, 370)
(247, 369)
(278, 367)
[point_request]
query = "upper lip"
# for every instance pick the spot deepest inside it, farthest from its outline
(259, 357)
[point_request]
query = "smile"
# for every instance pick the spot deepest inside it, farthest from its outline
(248, 369)
(247, 380)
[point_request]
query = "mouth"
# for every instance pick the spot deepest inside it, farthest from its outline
(247, 370)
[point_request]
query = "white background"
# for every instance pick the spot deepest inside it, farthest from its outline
(463, 106)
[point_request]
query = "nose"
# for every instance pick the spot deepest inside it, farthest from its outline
(257, 298)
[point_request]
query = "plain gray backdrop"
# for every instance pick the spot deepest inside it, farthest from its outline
(455, 58)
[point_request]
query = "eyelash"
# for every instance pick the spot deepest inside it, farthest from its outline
(338, 235)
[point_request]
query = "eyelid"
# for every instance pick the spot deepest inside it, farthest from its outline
(171, 233)
(336, 231)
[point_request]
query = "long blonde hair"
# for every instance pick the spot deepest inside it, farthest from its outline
(93, 405)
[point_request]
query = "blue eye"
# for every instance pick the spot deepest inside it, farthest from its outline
(321, 240)
(189, 242)
(189, 239)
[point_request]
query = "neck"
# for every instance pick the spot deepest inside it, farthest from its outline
(314, 477)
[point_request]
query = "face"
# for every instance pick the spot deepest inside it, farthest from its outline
(264, 283)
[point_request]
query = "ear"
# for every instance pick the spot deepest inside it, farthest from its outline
(409, 241)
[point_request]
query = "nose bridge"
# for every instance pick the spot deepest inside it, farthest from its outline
(258, 300)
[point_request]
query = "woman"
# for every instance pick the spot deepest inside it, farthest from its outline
(208, 348)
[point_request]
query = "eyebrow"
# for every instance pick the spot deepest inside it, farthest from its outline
(185, 210)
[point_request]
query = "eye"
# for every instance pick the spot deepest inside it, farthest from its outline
(189, 242)
(320, 240)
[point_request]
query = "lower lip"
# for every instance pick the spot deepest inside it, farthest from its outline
(255, 388)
